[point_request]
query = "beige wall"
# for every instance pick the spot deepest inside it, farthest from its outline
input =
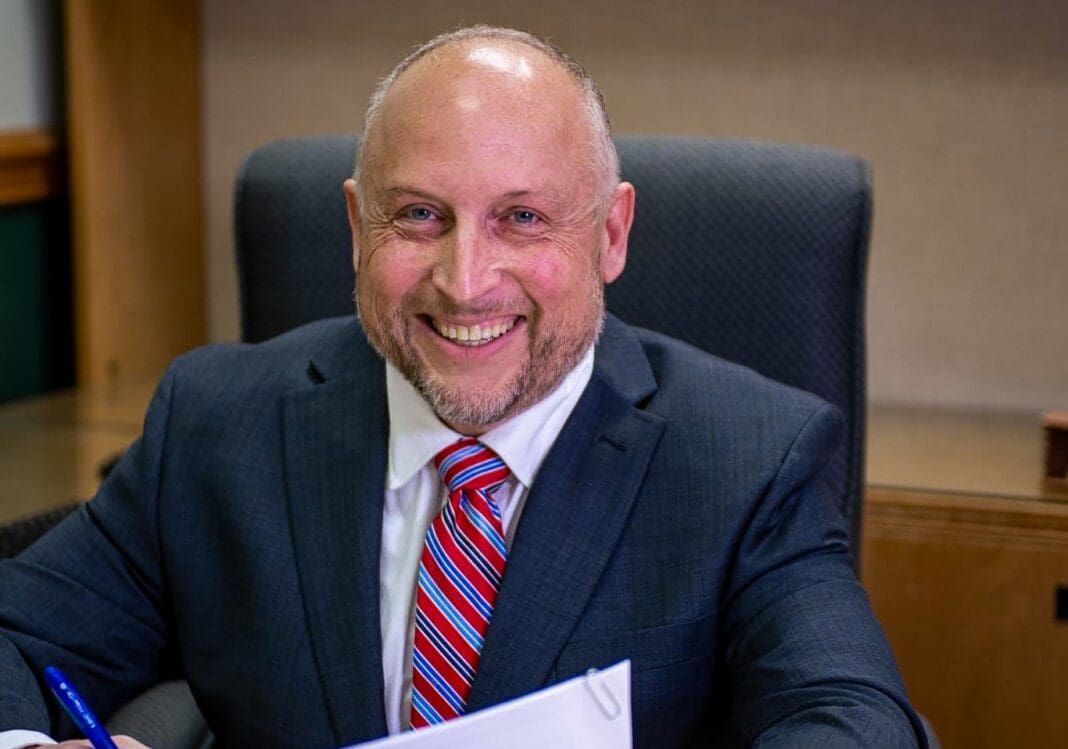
(962, 108)
(28, 43)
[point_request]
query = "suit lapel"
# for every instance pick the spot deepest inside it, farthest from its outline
(571, 522)
(336, 437)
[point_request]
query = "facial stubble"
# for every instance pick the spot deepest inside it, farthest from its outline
(550, 356)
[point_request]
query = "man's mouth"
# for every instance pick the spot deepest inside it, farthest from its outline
(477, 334)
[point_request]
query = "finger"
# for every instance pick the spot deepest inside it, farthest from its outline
(127, 742)
(122, 742)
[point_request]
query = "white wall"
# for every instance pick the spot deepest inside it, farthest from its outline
(961, 106)
(28, 57)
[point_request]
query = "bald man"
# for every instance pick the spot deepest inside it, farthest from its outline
(479, 489)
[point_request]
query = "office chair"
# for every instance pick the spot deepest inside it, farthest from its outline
(752, 251)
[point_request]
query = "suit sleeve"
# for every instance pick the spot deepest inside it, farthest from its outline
(90, 596)
(808, 662)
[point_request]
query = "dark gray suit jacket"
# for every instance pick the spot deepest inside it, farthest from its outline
(679, 521)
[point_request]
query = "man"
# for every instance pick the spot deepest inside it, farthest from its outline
(281, 537)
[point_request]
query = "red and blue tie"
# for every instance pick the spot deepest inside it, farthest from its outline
(459, 576)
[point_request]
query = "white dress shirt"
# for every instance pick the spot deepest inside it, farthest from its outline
(415, 495)
(20, 739)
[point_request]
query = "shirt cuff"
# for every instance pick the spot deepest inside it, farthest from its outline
(20, 739)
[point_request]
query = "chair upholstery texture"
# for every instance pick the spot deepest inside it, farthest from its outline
(755, 252)
(164, 717)
(20, 534)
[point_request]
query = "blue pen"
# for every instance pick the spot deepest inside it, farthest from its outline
(78, 710)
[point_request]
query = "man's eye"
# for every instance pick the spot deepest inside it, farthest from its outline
(418, 213)
(524, 217)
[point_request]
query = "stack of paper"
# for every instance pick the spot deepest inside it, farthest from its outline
(591, 712)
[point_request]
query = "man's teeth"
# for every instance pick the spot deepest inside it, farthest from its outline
(473, 335)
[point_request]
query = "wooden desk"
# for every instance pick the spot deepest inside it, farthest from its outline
(52, 446)
(964, 547)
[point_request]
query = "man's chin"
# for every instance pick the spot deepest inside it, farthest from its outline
(464, 409)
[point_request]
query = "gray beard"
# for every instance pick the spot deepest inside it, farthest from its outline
(483, 409)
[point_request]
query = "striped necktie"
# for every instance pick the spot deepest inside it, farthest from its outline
(459, 576)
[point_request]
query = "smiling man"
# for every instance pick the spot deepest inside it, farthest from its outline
(482, 488)
(487, 216)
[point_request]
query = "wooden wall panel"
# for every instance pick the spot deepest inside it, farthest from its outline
(134, 121)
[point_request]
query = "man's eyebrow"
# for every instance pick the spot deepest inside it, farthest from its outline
(403, 190)
(552, 196)
(398, 191)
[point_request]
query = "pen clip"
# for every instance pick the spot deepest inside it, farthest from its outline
(602, 695)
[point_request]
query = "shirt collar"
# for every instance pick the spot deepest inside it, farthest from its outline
(416, 434)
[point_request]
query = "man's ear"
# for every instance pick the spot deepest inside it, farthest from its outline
(617, 228)
(352, 203)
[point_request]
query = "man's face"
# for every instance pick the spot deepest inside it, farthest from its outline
(485, 238)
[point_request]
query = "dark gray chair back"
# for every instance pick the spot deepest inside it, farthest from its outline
(755, 252)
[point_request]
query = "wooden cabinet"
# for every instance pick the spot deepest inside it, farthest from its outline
(965, 547)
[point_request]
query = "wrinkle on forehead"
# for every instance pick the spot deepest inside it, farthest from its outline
(502, 61)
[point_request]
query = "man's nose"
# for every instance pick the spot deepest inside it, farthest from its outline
(466, 267)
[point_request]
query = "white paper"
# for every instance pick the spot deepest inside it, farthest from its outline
(587, 712)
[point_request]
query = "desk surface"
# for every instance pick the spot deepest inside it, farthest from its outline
(52, 446)
(978, 453)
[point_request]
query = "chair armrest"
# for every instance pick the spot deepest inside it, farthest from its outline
(20, 534)
(164, 717)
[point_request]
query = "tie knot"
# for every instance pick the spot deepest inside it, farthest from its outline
(467, 464)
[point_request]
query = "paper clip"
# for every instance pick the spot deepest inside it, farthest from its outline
(603, 696)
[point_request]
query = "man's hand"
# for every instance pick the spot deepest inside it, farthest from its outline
(122, 742)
